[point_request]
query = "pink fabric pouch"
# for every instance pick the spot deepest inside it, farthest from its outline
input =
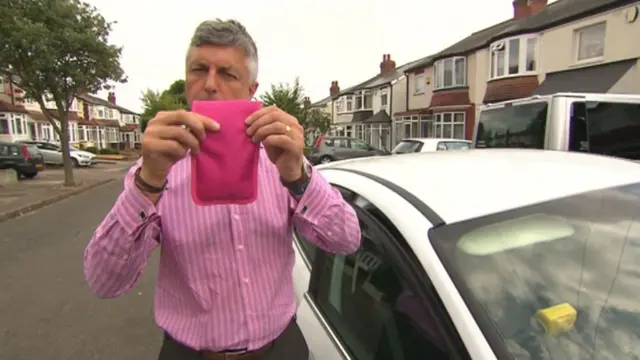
(226, 169)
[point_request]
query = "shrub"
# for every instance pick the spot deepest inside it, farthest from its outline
(91, 149)
(108, 151)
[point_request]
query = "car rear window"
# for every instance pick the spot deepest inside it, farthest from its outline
(517, 126)
(33, 151)
(407, 146)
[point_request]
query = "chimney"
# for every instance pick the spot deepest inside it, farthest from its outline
(387, 65)
(112, 98)
(306, 103)
(521, 9)
(535, 6)
(334, 90)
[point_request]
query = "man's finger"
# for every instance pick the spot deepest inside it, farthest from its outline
(169, 148)
(281, 142)
(196, 123)
(176, 133)
(260, 113)
(262, 122)
(274, 128)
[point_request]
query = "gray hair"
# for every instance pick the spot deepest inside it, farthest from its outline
(229, 33)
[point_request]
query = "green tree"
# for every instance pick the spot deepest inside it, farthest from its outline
(288, 97)
(172, 98)
(58, 49)
(318, 120)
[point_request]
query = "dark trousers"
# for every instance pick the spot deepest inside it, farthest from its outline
(289, 345)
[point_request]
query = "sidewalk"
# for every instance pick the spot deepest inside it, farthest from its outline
(47, 188)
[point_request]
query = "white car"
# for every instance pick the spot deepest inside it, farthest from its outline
(497, 254)
(415, 145)
(52, 153)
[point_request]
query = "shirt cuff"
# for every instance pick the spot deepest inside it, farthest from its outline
(316, 199)
(134, 210)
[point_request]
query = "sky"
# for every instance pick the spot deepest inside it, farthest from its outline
(318, 41)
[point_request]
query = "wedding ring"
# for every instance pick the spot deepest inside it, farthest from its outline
(287, 129)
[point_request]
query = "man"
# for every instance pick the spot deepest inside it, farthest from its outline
(224, 287)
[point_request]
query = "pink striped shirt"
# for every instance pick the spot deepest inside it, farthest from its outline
(225, 276)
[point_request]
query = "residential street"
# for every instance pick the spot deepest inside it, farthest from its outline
(46, 309)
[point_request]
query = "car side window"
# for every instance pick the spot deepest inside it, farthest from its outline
(4, 150)
(370, 306)
(14, 150)
(340, 143)
(359, 145)
(441, 146)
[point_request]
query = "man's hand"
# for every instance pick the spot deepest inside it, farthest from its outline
(282, 137)
(167, 139)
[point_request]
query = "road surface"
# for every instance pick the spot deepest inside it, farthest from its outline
(46, 309)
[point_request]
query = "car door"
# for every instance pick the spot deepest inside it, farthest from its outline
(361, 149)
(341, 149)
(55, 153)
(364, 306)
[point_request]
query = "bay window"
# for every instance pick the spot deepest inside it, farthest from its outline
(449, 125)
(451, 72)
(516, 56)
(363, 100)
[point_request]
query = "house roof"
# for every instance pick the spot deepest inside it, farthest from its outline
(557, 13)
(8, 107)
(322, 102)
(379, 79)
(98, 101)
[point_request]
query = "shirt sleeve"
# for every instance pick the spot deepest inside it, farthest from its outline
(325, 219)
(123, 243)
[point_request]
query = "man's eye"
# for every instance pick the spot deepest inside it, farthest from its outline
(228, 75)
(200, 70)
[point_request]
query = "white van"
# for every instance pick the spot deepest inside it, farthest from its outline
(607, 124)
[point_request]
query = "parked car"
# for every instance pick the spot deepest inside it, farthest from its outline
(536, 261)
(415, 145)
(605, 124)
(52, 153)
(26, 160)
(333, 148)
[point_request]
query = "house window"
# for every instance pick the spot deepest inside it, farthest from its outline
(590, 42)
(363, 100)
(349, 103)
(384, 97)
(110, 114)
(449, 125)
(418, 85)
(4, 125)
(339, 106)
(2, 90)
(513, 57)
(451, 72)
(101, 113)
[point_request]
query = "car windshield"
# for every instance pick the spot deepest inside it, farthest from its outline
(407, 146)
(558, 280)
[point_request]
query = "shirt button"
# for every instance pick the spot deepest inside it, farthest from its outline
(236, 217)
(246, 280)
(329, 233)
(240, 247)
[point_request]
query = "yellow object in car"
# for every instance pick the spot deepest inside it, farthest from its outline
(557, 319)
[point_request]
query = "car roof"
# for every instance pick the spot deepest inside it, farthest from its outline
(435, 140)
(461, 185)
